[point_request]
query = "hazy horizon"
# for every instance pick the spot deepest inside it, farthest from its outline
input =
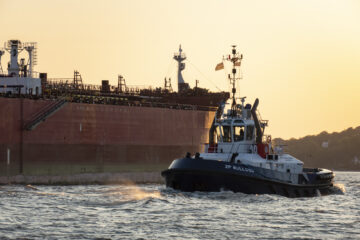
(301, 58)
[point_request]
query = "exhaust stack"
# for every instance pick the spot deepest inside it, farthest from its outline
(259, 131)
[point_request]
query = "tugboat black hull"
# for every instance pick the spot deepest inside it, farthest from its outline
(190, 175)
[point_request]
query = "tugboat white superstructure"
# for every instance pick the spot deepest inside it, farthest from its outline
(240, 158)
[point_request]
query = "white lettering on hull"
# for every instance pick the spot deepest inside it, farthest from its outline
(238, 168)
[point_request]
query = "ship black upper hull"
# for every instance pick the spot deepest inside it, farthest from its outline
(189, 174)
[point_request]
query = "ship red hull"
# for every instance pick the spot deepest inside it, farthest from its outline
(94, 138)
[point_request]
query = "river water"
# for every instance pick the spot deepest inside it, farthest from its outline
(154, 212)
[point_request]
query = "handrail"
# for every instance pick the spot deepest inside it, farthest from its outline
(47, 107)
(44, 113)
(232, 146)
(237, 149)
(109, 99)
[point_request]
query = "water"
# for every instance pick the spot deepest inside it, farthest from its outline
(154, 212)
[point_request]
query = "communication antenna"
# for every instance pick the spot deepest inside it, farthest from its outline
(77, 80)
(121, 84)
(236, 61)
(2, 52)
(167, 85)
(31, 48)
(235, 58)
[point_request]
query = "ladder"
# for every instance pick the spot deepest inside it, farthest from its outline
(44, 113)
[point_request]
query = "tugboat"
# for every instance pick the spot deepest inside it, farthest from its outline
(241, 158)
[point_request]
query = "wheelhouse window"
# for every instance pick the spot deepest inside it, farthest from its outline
(238, 133)
(218, 134)
(249, 132)
(226, 133)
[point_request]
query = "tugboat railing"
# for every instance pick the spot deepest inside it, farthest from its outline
(236, 151)
(230, 152)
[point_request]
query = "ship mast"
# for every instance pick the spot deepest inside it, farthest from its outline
(236, 61)
(14, 47)
(180, 57)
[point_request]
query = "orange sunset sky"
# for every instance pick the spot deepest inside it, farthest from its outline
(301, 57)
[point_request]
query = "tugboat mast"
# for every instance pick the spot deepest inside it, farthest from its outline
(236, 61)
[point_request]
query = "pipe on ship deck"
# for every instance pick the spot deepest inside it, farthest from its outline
(259, 132)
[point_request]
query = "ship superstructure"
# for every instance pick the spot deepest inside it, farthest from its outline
(20, 77)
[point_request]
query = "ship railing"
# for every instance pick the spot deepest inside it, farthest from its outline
(33, 75)
(279, 148)
(112, 98)
(275, 147)
(68, 84)
(181, 55)
(45, 112)
(264, 123)
(211, 147)
(231, 152)
(47, 107)
(139, 87)
(266, 138)
(59, 80)
(125, 101)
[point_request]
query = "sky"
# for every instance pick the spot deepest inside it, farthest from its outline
(301, 57)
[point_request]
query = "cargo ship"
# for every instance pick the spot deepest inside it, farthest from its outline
(66, 131)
